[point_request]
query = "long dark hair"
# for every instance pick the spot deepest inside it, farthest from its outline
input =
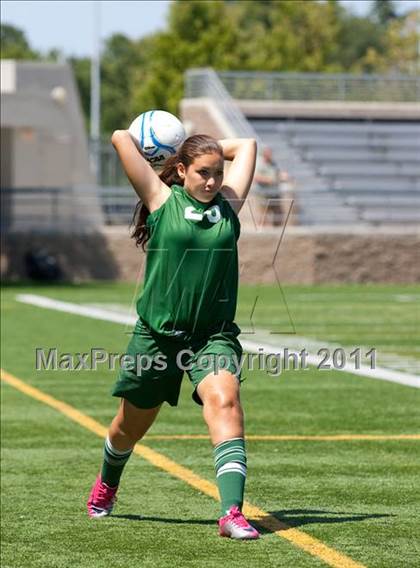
(192, 148)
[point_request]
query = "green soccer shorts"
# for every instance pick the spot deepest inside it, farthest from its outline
(151, 371)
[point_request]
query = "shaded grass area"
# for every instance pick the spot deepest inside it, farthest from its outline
(358, 497)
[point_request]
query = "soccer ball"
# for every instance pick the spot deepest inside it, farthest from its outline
(158, 134)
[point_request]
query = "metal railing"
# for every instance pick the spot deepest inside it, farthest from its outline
(59, 210)
(51, 210)
(111, 171)
(118, 204)
(206, 83)
(117, 197)
(258, 85)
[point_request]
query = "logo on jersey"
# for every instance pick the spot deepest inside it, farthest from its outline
(213, 214)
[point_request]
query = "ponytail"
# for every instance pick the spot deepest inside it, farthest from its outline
(169, 174)
(192, 148)
(140, 232)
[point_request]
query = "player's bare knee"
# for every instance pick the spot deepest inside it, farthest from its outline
(128, 432)
(223, 402)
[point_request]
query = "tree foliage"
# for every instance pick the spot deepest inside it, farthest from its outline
(301, 35)
(262, 35)
(14, 44)
(384, 11)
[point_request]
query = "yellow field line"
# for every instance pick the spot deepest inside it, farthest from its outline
(300, 539)
(291, 437)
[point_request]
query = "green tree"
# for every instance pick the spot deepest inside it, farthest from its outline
(401, 41)
(120, 59)
(253, 35)
(285, 35)
(200, 34)
(383, 11)
(14, 44)
(81, 70)
(357, 38)
(122, 63)
(294, 36)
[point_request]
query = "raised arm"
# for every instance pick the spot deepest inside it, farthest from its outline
(236, 185)
(146, 183)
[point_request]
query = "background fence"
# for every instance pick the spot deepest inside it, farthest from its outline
(307, 86)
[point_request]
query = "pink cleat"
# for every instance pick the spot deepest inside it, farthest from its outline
(101, 499)
(234, 525)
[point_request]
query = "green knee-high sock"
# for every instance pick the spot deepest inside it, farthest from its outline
(230, 465)
(113, 465)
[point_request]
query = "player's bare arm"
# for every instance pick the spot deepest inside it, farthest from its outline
(146, 183)
(237, 183)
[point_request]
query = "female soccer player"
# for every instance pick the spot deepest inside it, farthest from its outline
(186, 311)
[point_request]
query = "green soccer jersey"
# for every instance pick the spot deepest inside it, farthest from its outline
(191, 279)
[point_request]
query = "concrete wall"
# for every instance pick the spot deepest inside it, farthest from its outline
(330, 109)
(40, 106)
(46, 182)
(304, 257)
(204, 116)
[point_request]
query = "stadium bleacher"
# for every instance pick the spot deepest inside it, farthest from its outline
(349, 171)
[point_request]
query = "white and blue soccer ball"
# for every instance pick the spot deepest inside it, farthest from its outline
(158, 134)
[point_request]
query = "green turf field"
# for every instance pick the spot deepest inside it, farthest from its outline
(358, 497)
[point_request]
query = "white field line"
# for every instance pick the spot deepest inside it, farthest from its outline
(70, 308)
(252, 346)
(364, 371)
(296, 343)
(390, 361)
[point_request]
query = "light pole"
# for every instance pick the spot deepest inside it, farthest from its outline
(95, 93)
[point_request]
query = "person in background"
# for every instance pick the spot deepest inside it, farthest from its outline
(269, 180)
